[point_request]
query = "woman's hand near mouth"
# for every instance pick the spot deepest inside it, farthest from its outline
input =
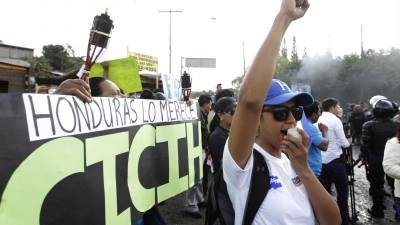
(297, 151)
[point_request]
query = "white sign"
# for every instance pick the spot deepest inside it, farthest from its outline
(301, 87)
(172, 87)
(201, 62)
(50, 116)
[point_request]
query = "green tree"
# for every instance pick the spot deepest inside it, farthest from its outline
(294, 58)
(39, 64)
(237, 82)
(305, 54)
(284, 49)
(283, 69)
(61, 58)
(57, 56)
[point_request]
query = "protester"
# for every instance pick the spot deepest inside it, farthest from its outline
(101, 87)
(356, 121)
(366, 111)
(224, 93)
(333, 166)
(219, 88)
(296, 196)
(339, 112)
(375, 133)
(159, 96)
(76, 87)
(194, 195)
(318, 135)
(220, 94)
(98, 86)
(219, 128)
(205, 107)
(205, 103)
(391, 166)
(146, 94)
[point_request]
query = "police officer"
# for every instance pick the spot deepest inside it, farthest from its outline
(375, 133)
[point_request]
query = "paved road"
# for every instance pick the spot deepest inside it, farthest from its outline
(172, 213)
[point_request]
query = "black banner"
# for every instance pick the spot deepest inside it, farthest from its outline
(63, 161)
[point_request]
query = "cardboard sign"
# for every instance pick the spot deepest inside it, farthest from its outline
(63, 161)
(123, 72)
(145, 62)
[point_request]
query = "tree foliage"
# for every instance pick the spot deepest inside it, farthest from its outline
(40, 64)
(55, 57)
(237, 82)
(284, 50)
(56, 54)
(61, 58)
(294, 57)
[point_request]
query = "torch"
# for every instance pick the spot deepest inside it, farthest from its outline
(98, 40)
(186, 84)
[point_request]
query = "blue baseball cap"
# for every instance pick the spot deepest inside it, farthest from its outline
(279, 93)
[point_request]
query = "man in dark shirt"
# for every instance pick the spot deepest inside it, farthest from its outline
(356, 121)
(205, 107)
(194, 195)
(205, 102)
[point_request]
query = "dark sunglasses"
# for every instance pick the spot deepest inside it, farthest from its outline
(231, 112)
(281, 113)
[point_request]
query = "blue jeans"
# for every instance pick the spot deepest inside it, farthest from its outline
(335, 172)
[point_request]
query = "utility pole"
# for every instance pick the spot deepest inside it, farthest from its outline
(182, 64)
(170, 25)
(362, 42)
(362, 57)
(244, 60)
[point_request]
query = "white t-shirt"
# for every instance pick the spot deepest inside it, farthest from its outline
(286, 202)
(336, 136)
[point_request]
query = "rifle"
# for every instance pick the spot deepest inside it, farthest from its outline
(350, 164)
(357, 161)
(364, 162)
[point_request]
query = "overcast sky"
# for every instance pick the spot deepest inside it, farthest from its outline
(328, 25)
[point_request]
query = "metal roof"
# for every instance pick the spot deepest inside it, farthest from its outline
(13, 46)
(15, 62)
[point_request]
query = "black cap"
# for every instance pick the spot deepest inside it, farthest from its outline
(225, 104)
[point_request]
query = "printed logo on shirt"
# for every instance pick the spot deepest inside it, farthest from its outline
(297, 181)
(275, 183)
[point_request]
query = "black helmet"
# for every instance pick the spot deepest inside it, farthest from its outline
(384, 109)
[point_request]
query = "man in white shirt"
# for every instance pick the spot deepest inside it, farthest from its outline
(333, 167)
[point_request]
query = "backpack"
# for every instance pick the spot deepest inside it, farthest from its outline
(220, 210)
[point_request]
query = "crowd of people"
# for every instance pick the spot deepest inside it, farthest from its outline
(301, 168)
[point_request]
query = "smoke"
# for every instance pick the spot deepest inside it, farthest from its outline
(317, 67)
(320, 72)
(352, 78)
